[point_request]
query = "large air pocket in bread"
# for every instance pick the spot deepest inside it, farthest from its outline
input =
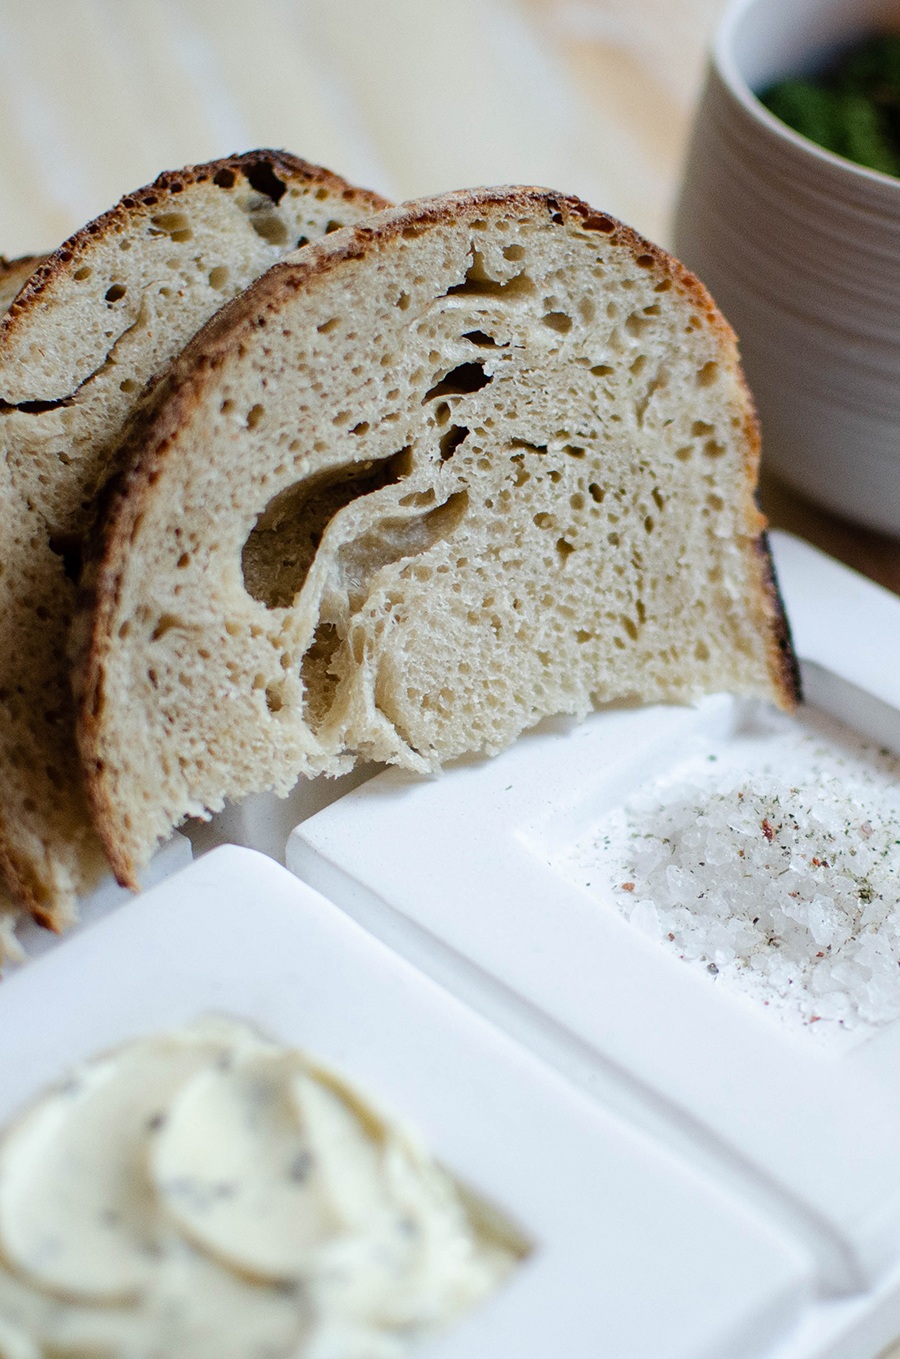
(477, 460)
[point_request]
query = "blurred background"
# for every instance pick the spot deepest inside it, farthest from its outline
(408, 97)
(405, 96)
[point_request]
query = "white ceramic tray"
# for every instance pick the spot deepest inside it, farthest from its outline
(460, 875)
(634, 1255)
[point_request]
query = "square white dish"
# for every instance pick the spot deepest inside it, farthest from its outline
(458, 874)
(634, 1255)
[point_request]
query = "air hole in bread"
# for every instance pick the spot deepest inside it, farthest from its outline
(319, 680)
(636, 325)
(482, 340)
(81, 274)
(403, 301)
(597, 493)
(522, 474)
(565, 549)
(451, 441)
(558, 321)
(479, 283)
(116, 292)
(276, 557)
(176, 225)
(274, 698)
(224, 178)
(67, 547)
(255, 415)
(218, 277)
(514, 252)
(269, 225)
(418, 499)
(460, 381)
(165, 624)
(263, 179)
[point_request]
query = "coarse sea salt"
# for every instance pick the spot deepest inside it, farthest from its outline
(772, 865)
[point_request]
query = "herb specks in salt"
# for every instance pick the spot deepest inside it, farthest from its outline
(773, 868)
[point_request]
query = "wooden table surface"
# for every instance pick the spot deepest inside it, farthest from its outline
(406, 96)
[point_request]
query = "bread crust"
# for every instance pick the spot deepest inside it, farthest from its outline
(31, 847)
(152, 435)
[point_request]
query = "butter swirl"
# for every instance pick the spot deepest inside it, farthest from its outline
(208, 1194)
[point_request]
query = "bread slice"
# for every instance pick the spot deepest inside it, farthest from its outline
(92, 324)
(478, 460)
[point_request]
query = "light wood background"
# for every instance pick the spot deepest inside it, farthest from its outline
(406, 96)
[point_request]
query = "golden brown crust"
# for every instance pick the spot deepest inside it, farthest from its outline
(152, 433)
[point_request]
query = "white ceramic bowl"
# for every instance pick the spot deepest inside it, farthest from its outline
(801, 250)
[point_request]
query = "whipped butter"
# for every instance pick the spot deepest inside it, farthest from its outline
(209, 1194)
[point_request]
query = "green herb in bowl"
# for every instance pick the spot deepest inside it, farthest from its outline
(852, 108)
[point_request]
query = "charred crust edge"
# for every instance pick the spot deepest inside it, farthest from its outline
(784, 656)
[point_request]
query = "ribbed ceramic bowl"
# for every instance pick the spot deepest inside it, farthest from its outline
(801, 250)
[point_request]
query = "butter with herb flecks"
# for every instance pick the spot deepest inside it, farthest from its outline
(209, 1194)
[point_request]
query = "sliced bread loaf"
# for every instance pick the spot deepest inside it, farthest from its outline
(477, 460)
(92, 324)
